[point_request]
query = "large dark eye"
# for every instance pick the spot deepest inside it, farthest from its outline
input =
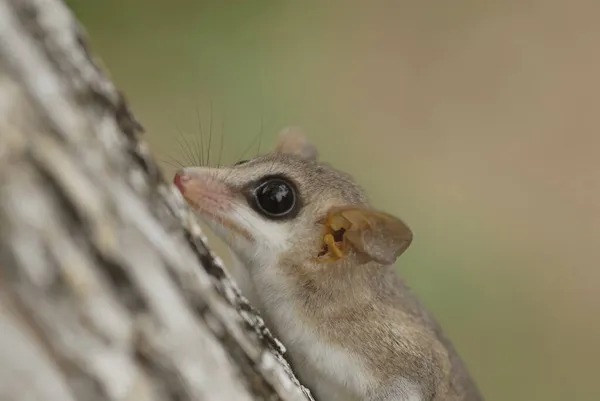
(275, 198)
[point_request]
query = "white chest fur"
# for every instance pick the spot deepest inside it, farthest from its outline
(331, 372)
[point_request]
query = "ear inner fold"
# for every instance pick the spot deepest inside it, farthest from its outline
(374, 236)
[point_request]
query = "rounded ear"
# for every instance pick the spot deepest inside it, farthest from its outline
(292, 141)
(372, 234)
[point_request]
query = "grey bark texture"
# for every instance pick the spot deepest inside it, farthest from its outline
(107, 289)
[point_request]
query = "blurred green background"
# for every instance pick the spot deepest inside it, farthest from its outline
(475, 121)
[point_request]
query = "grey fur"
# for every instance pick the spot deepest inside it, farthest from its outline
(366, 309)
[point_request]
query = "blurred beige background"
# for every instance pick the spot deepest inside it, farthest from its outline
(475, 121)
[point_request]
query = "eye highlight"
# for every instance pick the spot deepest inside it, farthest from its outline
(275, 198)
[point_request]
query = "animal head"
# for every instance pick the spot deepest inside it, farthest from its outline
(287, 201)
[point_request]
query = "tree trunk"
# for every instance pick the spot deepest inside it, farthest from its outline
(107, 289)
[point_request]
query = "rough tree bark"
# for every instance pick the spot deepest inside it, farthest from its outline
(107, 289)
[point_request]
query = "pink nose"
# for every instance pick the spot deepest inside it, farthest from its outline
(179, 181)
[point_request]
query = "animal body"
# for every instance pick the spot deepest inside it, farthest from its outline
(318, 264)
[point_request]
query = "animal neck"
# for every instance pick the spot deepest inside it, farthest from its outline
(318, 286)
